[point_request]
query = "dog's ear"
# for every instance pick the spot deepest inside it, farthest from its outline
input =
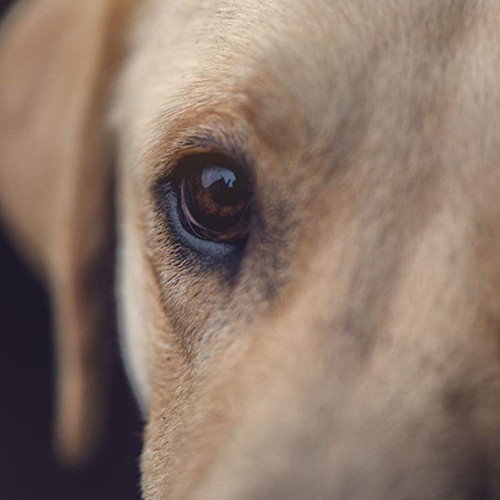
(57, 62)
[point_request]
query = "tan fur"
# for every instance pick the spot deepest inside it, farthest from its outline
(355, 354)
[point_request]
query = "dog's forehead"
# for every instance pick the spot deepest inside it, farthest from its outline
(319, 76)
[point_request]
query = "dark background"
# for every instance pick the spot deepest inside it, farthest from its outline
(28, 467)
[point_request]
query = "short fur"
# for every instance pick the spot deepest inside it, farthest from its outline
(353, 353)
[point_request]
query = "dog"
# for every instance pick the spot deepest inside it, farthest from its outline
(304, 203)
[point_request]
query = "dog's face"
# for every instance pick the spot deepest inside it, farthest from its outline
(349, 347)
(309, 247)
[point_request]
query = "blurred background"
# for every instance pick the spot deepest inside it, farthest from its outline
(28, 467)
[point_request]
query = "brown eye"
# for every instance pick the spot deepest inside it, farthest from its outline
(214, 202)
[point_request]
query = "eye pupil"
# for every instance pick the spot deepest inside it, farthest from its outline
(214, 202)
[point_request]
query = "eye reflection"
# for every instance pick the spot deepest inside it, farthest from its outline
(211, 175)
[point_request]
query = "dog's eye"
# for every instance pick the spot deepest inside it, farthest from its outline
(214, 201)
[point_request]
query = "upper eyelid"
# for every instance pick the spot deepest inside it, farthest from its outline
(207, 141)
(209, 144)
(197, 144)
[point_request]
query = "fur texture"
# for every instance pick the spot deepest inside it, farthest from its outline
(353, 351)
